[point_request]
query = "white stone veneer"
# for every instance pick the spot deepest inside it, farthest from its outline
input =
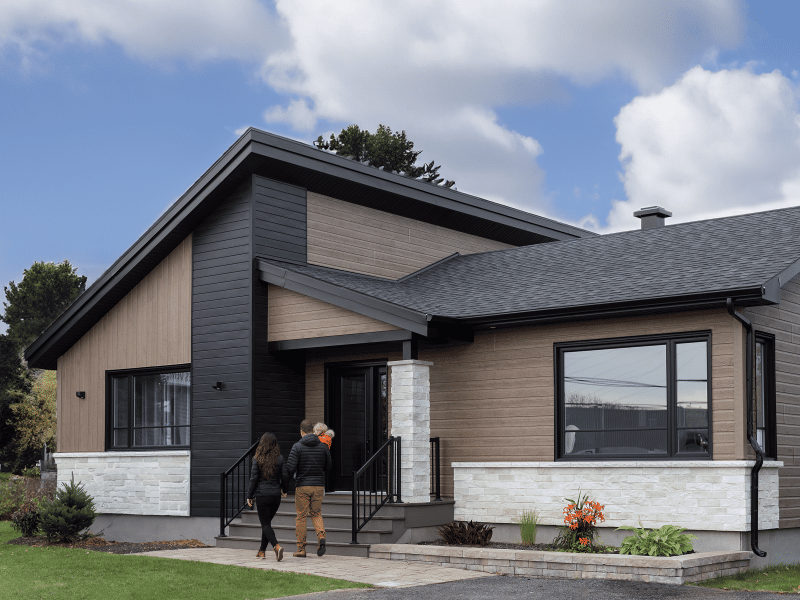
(411, 420)
(705, 495)
(131, 483)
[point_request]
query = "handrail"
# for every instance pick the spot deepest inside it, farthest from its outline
(241, 479)
(436, 472)
(375, 484)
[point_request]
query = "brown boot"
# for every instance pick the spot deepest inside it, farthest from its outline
(260, 554)
(301, 553)
(278, 553)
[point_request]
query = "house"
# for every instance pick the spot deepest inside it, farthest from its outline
(288, 283)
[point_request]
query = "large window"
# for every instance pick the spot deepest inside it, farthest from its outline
(149, 408)
(765, 395)
(634, 397)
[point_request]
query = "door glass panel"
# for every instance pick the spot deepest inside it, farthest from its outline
(353, 420)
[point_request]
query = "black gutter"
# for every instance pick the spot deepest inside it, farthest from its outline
(750, 438)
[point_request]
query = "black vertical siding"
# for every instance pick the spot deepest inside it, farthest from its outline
(221, 345)
(279, 232)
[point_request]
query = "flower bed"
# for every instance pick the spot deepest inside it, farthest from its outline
(693, 567)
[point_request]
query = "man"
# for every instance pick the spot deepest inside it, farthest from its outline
(310, 459)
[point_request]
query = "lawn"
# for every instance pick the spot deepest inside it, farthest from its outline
(69, 574)
(777, 578)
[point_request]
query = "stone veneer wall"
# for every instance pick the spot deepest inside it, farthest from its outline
(702, 495)
(131, 483)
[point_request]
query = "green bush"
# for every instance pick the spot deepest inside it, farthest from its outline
(667, 541)
(26, 519)
(528, 522)
(12, 496)
(31, 472)
(69, 514)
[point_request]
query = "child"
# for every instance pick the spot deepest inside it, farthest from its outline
(324, 434)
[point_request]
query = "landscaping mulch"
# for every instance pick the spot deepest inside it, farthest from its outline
(509, 546)
(100, 544)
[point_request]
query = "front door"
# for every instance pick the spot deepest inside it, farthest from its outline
(357, 410)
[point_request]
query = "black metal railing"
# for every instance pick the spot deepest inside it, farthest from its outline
(436, 474)
(233, 485)
(375, 484)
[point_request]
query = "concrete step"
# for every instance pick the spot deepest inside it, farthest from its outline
(332, 534)
(290, 545)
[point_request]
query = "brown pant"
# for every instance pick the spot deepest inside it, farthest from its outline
(308, 503)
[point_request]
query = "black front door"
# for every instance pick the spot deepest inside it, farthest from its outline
(357, 409)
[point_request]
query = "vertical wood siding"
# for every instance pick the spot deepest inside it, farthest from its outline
(293, 316)
(150, 326)
(783, 321)
(354, 238)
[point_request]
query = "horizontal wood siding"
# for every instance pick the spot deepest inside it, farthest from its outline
(354, 238)
(150, 326)
(783, 321)
(221, 346)
(293, 316)
(279, 220)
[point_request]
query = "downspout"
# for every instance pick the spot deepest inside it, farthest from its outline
(750, 438)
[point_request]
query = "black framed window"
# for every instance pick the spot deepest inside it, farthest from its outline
(766, 434)
(149, 408)
(646, 397)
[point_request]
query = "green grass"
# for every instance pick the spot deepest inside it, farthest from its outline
(70, 574)
(776, 578)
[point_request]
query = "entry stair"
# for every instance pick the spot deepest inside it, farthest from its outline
(389, 525)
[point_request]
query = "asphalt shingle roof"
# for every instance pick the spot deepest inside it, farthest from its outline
(711, 256)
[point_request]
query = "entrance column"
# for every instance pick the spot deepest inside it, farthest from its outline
(411, 420)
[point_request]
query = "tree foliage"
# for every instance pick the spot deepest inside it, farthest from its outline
(34, 416)
(71, 512)
(383, 149)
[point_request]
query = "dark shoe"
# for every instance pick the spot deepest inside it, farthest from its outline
(260, 554)
(278, 553)
(321, 547)
(301, 553)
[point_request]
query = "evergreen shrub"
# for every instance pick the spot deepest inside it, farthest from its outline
(70, 513)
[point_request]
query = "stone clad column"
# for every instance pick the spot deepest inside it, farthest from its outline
(411, 420)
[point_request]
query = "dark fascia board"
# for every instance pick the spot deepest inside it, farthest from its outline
(300, 154)
(774, 285)
(745, 297)
(377, 337)
(181, 217)
(369, 306)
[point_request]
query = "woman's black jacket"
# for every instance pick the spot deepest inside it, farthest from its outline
(266, 487)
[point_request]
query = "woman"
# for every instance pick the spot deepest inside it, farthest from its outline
(266, 487)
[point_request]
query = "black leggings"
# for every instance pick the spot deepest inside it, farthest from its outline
(267, 506)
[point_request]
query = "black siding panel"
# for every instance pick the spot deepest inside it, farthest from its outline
(221, 284)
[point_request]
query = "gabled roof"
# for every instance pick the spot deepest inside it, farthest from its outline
(690, 265)
(282, 159)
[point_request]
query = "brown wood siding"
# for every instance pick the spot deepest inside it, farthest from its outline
(150, 326)
(493, 400)
(783, 321)
(354, 238)
(293, 316)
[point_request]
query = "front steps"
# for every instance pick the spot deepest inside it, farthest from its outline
(386, 527)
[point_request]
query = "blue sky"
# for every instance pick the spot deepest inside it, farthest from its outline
(580, 111)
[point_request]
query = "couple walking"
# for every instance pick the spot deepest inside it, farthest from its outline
(309, 460)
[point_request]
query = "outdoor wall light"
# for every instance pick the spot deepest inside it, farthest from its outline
(217, 386)
(81, 395)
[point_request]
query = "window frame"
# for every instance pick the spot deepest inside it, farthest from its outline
(770, 448)
(668, 339)
(161, 370)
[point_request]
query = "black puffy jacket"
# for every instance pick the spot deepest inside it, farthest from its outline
(259, 486)
(310, 459)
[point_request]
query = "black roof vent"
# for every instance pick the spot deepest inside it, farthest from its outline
(652, 216)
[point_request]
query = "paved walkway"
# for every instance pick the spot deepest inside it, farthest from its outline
(380, 573)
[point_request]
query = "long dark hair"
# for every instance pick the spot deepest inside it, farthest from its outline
(267, 455)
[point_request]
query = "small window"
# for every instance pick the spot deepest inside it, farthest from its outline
(765, 395)
(149, 408)
(634, 397)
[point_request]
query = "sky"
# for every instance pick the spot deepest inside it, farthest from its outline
(579, 110)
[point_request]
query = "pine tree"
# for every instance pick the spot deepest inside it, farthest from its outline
(71, 512)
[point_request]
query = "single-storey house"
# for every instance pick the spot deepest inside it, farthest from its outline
(657, 370)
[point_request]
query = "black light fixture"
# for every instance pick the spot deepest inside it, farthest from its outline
(81, 395)
(217, 386)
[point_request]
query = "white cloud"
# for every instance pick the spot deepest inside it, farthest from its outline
(712, 144)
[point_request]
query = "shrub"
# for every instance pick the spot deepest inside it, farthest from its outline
(580, 525)
(31, 472)
(667, 541)
(69, 514)
(528, 522)
(461, 533)
(12, 496)
(26, 519)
